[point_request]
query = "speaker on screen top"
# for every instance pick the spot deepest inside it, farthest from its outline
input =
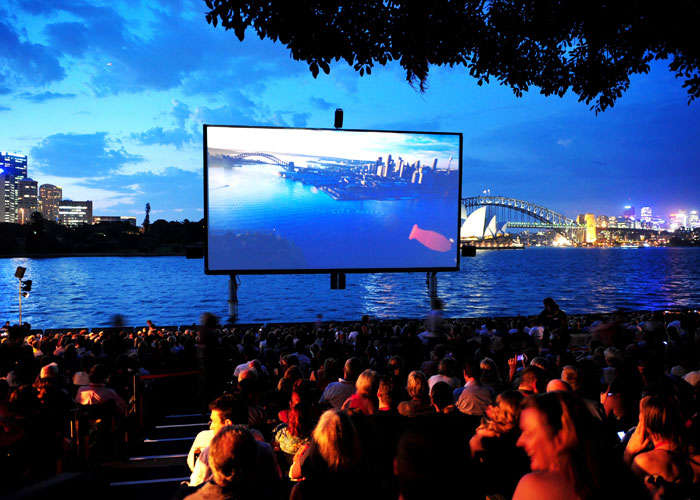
(19, 273)
(339, 118)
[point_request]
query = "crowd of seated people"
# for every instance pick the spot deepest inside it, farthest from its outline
(478, 408)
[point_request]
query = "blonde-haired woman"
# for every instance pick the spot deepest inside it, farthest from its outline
(331, 465)
(364, 400)
(418, 391)
(494, 444)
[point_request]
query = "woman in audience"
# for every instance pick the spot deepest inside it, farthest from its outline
(364, 400)
(296, 433)
(656, 450)
(330, 467)
(570, 455)
(417, 388)
(494, 444)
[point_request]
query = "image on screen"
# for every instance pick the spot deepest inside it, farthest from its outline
(309, 200)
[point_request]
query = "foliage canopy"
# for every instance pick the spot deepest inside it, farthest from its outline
(589, 47)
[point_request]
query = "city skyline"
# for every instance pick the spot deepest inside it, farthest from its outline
(108, 101)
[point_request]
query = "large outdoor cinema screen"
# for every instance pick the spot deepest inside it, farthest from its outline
(291, 200)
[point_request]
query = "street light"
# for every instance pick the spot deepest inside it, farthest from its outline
(24, 288)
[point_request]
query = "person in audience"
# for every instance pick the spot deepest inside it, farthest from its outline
(474, 398)
(495, 443)
(446, 373)
(417, 388)
(332, 464)
(656, 450)
(385, 397)
(364, 400)
(442, 400)
(232, 462)
(558, 385)
(224, 411)
(96, 393)
(336, 393)
(532, 381)
(296, 433)
(491, 376)
(570, 455)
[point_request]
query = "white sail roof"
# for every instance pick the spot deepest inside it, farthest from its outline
(473, 227)
(491, 229)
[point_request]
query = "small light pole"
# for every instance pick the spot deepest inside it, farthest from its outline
(24, 288)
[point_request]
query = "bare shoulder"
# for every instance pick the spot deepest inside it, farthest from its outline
(543, 486)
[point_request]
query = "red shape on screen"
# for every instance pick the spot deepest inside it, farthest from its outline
(430, 239)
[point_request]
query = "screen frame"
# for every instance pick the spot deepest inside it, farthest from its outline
(209, 271)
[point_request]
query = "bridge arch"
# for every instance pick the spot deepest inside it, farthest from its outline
(267, 156)
(533, 210)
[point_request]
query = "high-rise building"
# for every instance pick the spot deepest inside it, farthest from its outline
(590, 221)
(13, 168)
(645, 214)
(693, 219)
(14, 165)
(49, 199)
(75, 213)
(8, 198)
(27, 200)
(678, 220)
(628, 213)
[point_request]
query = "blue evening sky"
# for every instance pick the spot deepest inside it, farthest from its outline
(108, 99)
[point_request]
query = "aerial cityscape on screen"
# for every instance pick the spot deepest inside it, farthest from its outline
(295, 199)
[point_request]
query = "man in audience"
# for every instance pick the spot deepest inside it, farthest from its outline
(231, 458)
(225, 410)
(336, 393)
(475, 398)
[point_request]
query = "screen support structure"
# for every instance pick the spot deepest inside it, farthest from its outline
(338, 279)
(233, 298)
(431, 283)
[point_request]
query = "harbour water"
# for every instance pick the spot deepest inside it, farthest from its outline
(88, 291)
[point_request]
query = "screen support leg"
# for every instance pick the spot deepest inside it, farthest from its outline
(337, 281)
(431, 282)
(232, 298)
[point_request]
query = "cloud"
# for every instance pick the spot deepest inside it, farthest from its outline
(300, 119)
(157, 135)
(78, 155)
(321, 103)
(45, 96)
(181, 112)
(71, 37)
(164, 48)
(564, 142)
(25, 62)
(157, 189)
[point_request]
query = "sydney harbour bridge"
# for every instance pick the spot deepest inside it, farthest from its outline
(521, 214)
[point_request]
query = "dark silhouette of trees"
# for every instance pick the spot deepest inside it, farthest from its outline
(590, 47)
(43, 237)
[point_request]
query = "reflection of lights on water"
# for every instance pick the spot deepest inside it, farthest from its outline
(561, 241)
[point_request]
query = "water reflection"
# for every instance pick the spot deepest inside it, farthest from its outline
(80, 291)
